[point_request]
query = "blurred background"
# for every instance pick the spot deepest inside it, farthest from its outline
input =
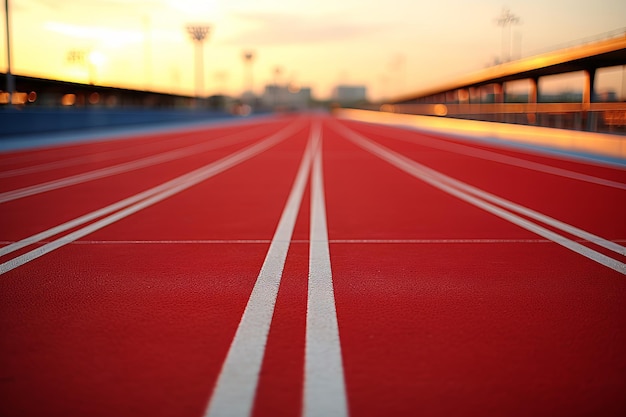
(245, 55)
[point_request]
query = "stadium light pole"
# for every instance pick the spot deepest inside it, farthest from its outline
(198, 35)
(507, 19)
(10, 79)
(248, 57)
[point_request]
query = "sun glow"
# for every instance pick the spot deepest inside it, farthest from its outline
(198, 9)
(146, 44)
(103, 35)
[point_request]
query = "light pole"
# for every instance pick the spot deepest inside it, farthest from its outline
(248, 57)
(198, 34)
(507, 19)
(10, 79)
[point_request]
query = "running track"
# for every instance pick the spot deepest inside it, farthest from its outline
(303, 265)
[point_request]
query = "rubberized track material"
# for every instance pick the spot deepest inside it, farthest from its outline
(305, 265)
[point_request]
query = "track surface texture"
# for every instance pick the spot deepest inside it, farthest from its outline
(305, 265)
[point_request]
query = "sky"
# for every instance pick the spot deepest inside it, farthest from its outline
(393, 47)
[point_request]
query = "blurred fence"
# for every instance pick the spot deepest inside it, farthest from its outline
(595, 117)
(608, 147)
(25, 121)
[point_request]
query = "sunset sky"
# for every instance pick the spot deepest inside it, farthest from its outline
(391, 46)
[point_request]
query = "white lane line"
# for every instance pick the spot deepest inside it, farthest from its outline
(525, 211)
(64, 163)
(124, 167)
(235, 389)
(106, 155)
(437, 241)
(464, 192)
(565, 227)
(324, 384)
(299, 241)
(173, 242)
(450, 241)
(149, 198)
(607, 244)
(510, 160)
(78, 160)
(269, 141)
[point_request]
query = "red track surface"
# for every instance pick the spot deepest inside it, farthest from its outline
(443, 308)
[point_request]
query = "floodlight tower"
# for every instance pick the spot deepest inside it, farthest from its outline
(507, 19)
(198, 34)
(248, 58)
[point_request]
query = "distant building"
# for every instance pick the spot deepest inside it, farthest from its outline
(286, 97)
(348, 94)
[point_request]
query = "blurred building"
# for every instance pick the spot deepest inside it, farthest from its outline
(350, 94)
(287, 97)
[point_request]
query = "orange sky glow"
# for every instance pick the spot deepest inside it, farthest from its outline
(391, 46)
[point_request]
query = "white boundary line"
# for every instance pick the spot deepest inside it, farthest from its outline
(81, 159)
(403, 160)
(11, 146)
(105, 155)
(136, 203)
(454, 241)
(600, 241)
(464, 192)
(339, 241)
(236, 385)
(124, 167)
(130, 200)
(461, 149)
(324, 384)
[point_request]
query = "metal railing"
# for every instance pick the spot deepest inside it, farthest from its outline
(607, 117)
(617, 33)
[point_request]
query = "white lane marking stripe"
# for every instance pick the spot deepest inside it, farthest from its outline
(324, 385)
(510, 160)
(236, 385)
(255, 241)
(261, 145)
(121, 168)
(179, 242)
(49, 166)
(175, 187)
(600, 241)
(82, 159)
(107, 155)
(55, 143)
(446, 241)
(401, 159)
(300, 241)
(413, 168)
(565, 227)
